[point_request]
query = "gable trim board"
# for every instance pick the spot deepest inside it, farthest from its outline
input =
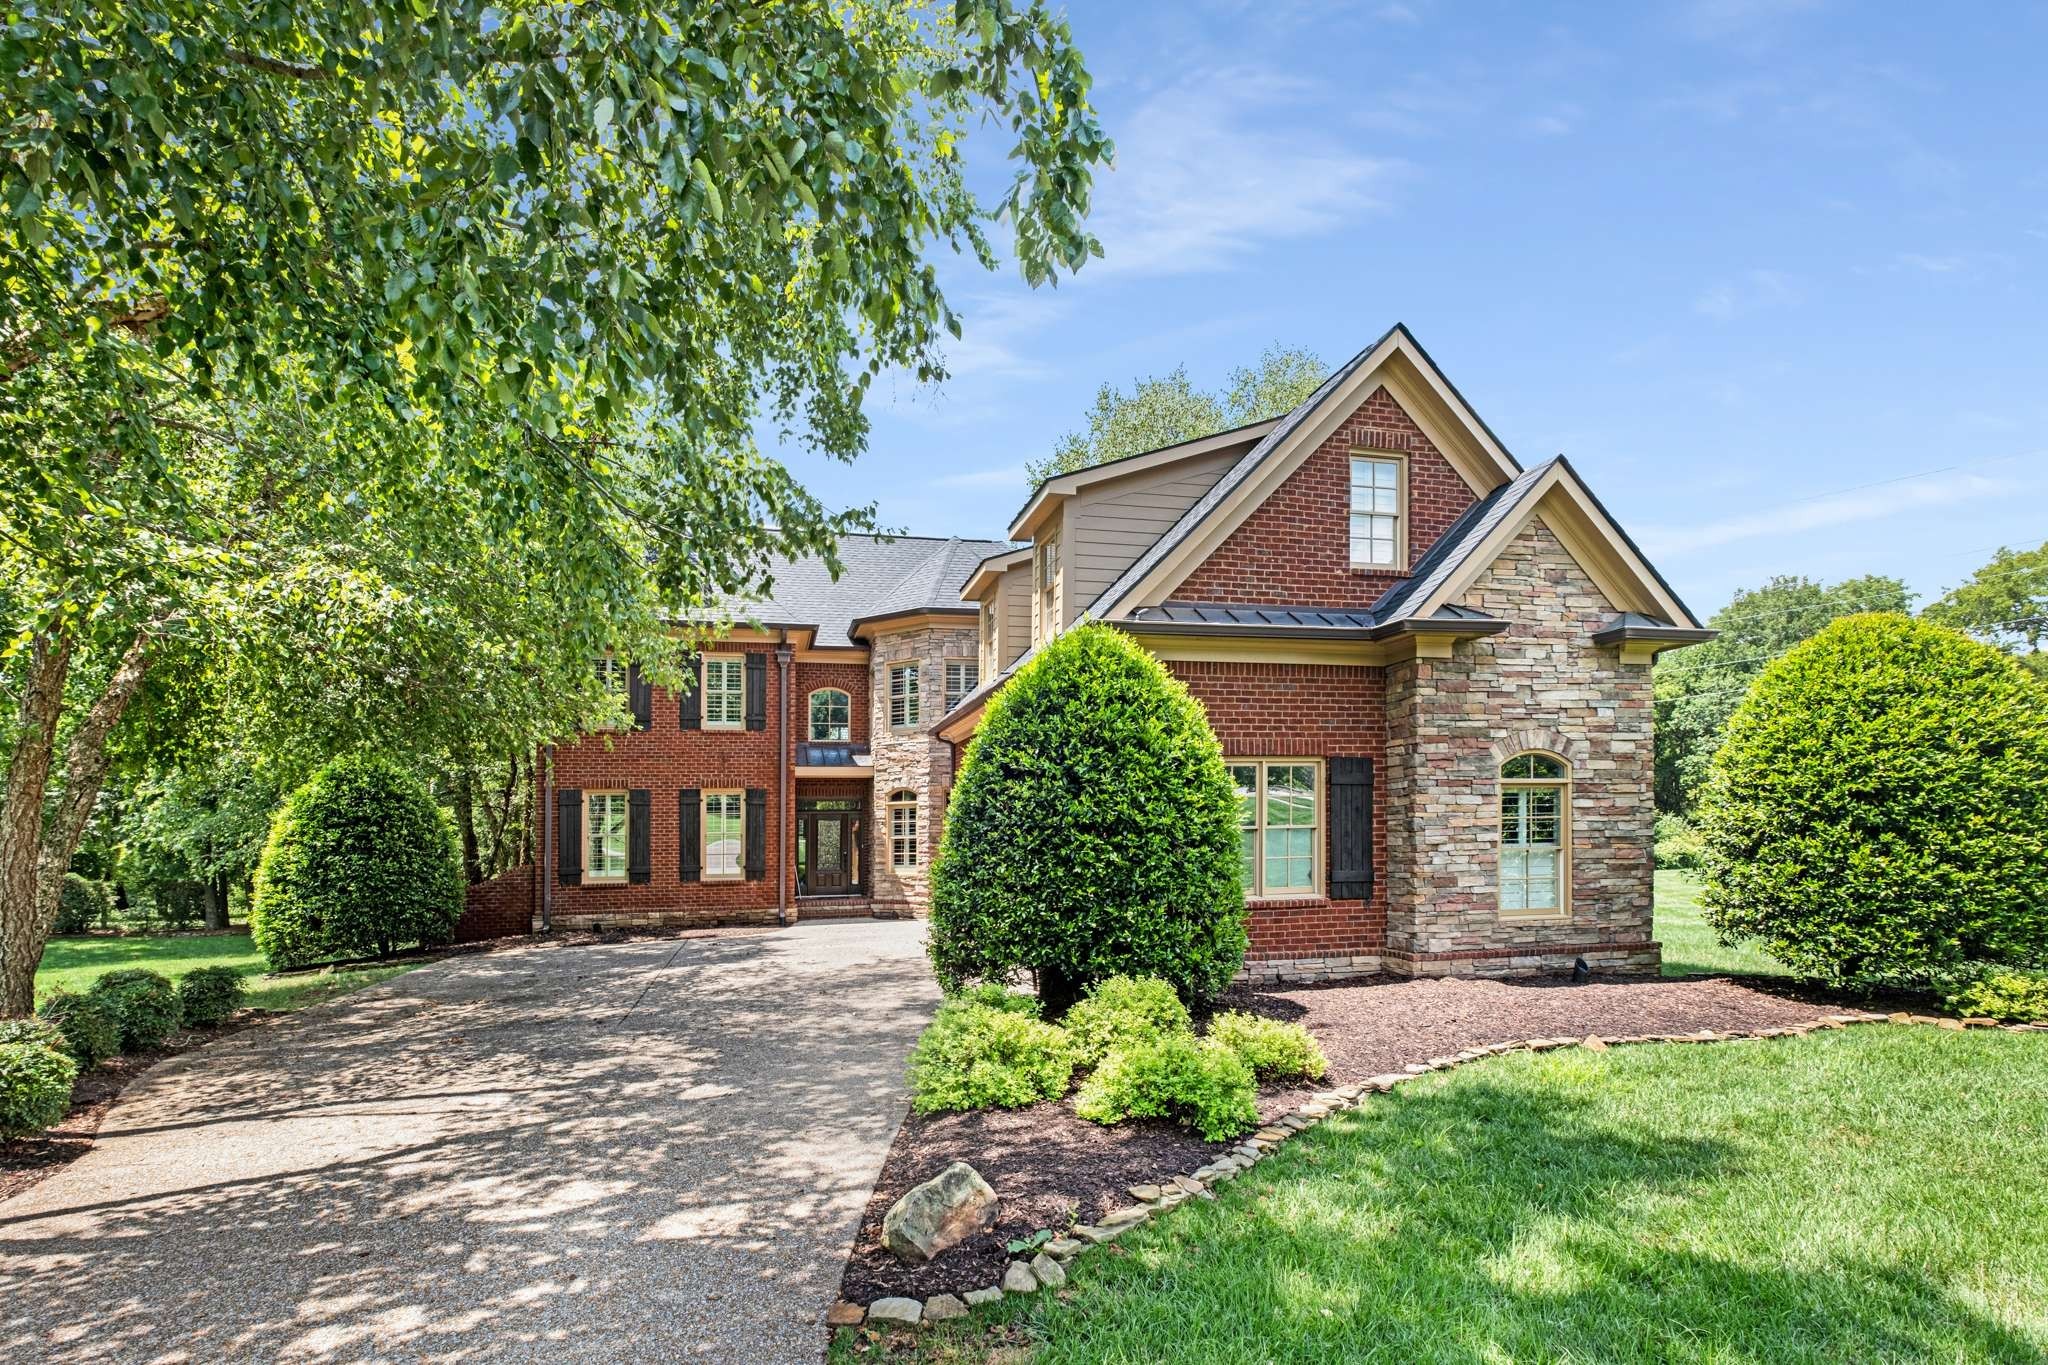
(989, 572)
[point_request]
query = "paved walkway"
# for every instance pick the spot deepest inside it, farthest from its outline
(646, 1151)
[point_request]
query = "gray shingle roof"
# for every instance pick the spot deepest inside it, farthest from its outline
(879, 577)
(1456, 545)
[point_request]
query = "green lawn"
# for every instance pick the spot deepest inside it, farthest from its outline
(74, 962)
(1871, 1194)
(1690, 948)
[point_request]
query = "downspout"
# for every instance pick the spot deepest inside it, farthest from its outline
(547, 844)
(787, 843)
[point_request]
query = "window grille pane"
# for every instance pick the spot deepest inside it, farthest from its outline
(1514, 894)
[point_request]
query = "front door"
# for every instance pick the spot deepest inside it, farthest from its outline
(828, 858)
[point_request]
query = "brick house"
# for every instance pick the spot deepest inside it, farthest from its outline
(1429, 668)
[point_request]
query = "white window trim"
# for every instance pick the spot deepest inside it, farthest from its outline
(810, 722)
(739, 872)
(1256, 890)
(916, 667)
(1402, 559)
(1563, 785)
(916, 836)
(625, 834)
(704, 691)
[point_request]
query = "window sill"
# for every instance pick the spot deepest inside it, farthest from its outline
(589, 880)
(723, 727)
(1401, 570)
(721, 876)
(1306, 900)
(1534, 916)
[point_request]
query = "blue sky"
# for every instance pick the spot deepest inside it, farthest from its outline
(1770, 272)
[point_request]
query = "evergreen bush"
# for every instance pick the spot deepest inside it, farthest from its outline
(976, 1056)
(208, 995)
(1119, 1011)
(91, 1027)
(35, 1088)
(1273, 1049)
(145, 1003)
(1197, 1082)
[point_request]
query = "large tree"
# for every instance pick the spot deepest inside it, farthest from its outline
(339, 338)
(1169, 408)
(1698, 689)
(2005, 603)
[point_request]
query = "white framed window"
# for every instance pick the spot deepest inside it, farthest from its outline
(724, 832)
(904, 684)
(903, 846)
(1279, 822)
(1535, 837)
(831, 715)
(962, 677)
(604, 836)
(725, 692)
(1048, 589)
(1378, 493)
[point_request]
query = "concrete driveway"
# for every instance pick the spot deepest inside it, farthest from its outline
(646, 1151)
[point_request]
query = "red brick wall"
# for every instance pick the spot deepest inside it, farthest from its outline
(807, 678)
(1295, 547)
(499, 908)
(1263, 710)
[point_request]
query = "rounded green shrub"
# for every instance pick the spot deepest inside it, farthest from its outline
(41, 1032)
(997, 996)
(35, 1088)
(81, 905)
(2010, 993)
(1196, 1082)
(1119, 1011)
(1677, 843)
(1273, 1049)
(91, 1028)
(145, 1003)
(975, 1056)
(1879, 807)
(1092, 831)
(360, 861)
(209, 995)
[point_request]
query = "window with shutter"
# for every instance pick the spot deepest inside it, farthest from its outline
(757, 691)
(689, 853)
(604, 836)
(1351, 828)
(1279, 824)
(638, 808)
(724, 834)
(725, 692)
(569, 836)
(757, 833)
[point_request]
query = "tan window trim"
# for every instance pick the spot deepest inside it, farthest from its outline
(739, 872)
(606, 878)
(1403, 560)
(1255, 888)
(810, 724)
(1564, 839)
(916, 722)
(704, 690)
(904, 800)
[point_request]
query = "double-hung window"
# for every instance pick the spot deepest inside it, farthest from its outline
(1377, 537)
(725, 692)
(725, 833)
(1279, 820)
(903, 848)
(962, 676)
(1535, 836)
(604, 826)
(903, 689)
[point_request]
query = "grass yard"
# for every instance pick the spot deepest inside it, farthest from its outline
(1690, 948)
(74, 962)
(1870, 1194)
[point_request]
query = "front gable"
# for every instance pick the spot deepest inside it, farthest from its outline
(1294, 545)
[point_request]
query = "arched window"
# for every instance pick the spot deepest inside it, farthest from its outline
(903, 847)
(831, 715)
(1535, 837)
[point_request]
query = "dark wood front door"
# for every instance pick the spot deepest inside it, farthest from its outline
(831, 858)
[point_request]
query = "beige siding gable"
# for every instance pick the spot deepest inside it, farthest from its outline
(1013, 616)
(1109, 525)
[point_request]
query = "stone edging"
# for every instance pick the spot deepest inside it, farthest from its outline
(1047, 1269)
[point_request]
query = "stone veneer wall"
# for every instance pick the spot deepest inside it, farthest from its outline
(1541, 684)
(915, 759)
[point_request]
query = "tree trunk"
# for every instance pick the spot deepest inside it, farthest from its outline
(217, 901)
(21, 820)
(465, 821)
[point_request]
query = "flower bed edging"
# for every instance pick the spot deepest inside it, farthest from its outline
(1047, 1269)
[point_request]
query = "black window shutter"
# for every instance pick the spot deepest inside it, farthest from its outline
(689, 810)
(640, 695)
(637, 811)
(1351, 828)
(757, 832)
(569, 836)
(757, 691)
(690, 705)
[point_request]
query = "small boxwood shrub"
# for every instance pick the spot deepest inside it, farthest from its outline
(91, 1028)
(1273, 1049)
(35, 1088)
(208, 995)
(1197, 1082)
(41, 1032)
(997, 996)
(81, 905)
(360, 861)
(2010, 993)
(1877, 807)
(145, 1003)
(976, 1056)
(1092, 831)
(1120, 1011)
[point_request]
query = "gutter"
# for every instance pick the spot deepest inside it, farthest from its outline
(783, 654)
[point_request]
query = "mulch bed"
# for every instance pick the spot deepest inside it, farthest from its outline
(1051, 1168)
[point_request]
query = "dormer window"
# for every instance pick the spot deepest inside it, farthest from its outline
(1379, 540)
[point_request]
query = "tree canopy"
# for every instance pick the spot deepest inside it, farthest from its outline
(1167, 409)
(2004, 603)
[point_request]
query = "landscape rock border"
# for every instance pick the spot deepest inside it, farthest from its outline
(1047, 1269)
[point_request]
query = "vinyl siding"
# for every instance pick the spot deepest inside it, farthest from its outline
(1109, 525)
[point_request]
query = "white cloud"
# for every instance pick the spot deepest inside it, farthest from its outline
(1751, 292)
(1837, 509)
(995, 332)
(1397, 14)
(1222, 161)
(1933, 265)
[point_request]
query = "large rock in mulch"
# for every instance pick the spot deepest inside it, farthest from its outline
(943, 1212)
(896, 1309)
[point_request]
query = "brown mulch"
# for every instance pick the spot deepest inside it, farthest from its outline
(1051, 1168)
(32, 1160)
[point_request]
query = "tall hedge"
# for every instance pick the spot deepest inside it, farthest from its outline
(1880, 806)
(360, 860)
(1092, 831)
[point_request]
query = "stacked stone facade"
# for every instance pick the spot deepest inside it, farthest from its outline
(1543, 685)
(913, 758)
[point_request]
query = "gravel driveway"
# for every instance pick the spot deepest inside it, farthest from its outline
(650, 1151)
